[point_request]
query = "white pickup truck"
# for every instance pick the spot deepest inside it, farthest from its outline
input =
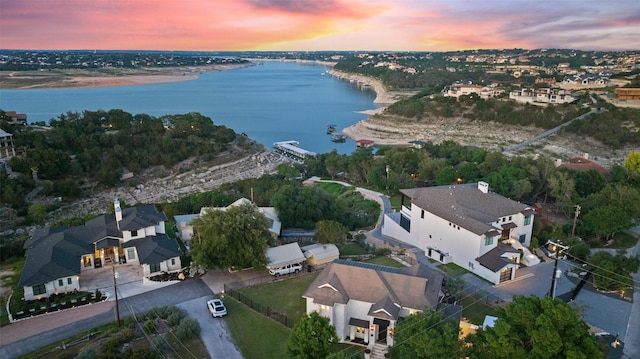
(287, 269)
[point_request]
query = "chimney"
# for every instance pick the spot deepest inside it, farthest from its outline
(118, 211)
(483, 186)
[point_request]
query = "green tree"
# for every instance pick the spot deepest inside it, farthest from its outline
(330, 232)
(426, 335)
(236, 237)
(607, 220)
(613, 272)
(313, 337)
(37, 212)
(532, 327)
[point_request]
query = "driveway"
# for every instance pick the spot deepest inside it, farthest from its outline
(215, 333)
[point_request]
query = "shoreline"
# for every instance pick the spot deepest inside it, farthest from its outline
(29, 80)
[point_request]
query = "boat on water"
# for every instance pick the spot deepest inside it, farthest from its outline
(331, 128)
(338, 137)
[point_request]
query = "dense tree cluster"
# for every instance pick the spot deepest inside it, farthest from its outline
(99, 145)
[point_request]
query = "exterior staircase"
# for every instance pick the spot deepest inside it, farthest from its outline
(378, 351)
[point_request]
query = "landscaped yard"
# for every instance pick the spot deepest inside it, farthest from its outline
(385, 261)
(285, 296)
(453, 269)
(352, 249)
(256, 335)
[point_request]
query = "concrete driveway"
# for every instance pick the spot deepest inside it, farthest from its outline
(215, 333)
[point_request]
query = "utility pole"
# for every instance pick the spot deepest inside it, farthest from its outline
(575, 219)
(558, 248)
(115, 290)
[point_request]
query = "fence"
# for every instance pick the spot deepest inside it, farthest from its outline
(260, 308)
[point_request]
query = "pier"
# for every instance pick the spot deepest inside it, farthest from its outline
(290, 150)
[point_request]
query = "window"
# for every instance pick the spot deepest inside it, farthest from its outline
(527, 220)
(60, 283)
(471, 265)
(488, 241)
(134, 233)
(173, 261)
(405, 223)
(69, 280)
(509, 217)
(131, 253)
(154, 267)
(422, 214)
(522, 238)
(39, 289)
(504, 219)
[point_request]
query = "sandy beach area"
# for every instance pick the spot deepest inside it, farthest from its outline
(105, 77)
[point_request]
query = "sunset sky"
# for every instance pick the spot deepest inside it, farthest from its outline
(246, 25)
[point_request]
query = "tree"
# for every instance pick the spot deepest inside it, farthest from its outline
(607, 220)
(532, 327)
(426, 335)
(235, 237)
(330, 232)
(632, 162)
(313, 337)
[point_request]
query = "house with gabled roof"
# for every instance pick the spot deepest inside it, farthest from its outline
(468, 225)
(364, 302)
(56, 257)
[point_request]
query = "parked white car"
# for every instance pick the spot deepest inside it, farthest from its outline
(217, 308)
(289, 268)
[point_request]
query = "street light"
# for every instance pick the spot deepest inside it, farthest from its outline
(115, 290)
(557, 249)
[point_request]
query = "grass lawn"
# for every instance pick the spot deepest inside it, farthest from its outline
(10, 281)
(453, 269)
(334, 189)
(385, 261)
(257, 336)
(285, 296)
(351, 249)
(622, 240)
(475, 309)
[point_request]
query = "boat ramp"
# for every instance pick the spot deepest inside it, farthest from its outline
(290, 150)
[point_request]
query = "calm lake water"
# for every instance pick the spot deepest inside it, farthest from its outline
(276, 101)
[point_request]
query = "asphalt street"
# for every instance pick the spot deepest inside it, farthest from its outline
(171, 295)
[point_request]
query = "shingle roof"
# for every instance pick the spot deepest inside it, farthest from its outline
(136, 218)
(464, 205)
(55, 252)
(154, 249)
(494, 260)
(416, 287)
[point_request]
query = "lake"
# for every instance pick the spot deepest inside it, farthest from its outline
(275, 101)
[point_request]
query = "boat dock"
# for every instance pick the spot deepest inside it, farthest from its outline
(290, 150)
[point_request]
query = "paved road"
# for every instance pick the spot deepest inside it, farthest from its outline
(547, 133)
(49, 331)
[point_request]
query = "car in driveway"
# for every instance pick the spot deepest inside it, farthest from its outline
(217, 308)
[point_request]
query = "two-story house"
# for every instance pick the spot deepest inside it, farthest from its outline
(467, 225)
(57, 256)
(364, 301)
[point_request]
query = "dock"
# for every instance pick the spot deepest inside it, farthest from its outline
(290, 150)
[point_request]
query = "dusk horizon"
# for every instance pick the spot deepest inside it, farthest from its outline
(330, 25)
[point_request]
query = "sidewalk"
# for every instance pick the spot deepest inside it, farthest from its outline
(36, 325)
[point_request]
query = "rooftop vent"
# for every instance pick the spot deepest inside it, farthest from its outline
(483, 186)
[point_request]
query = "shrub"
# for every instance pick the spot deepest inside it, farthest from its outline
(175, 318)
(149, 327)
(86, 353)
(160, 344)
(187, 329)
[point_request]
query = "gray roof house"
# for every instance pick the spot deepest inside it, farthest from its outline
(468, 225)
(365, 301)
(56, 256)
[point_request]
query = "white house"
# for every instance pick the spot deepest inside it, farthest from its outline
(467, 225)
(364, 301)
(57, 256)
(184, 226)
(542, 95)
(275, 226)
